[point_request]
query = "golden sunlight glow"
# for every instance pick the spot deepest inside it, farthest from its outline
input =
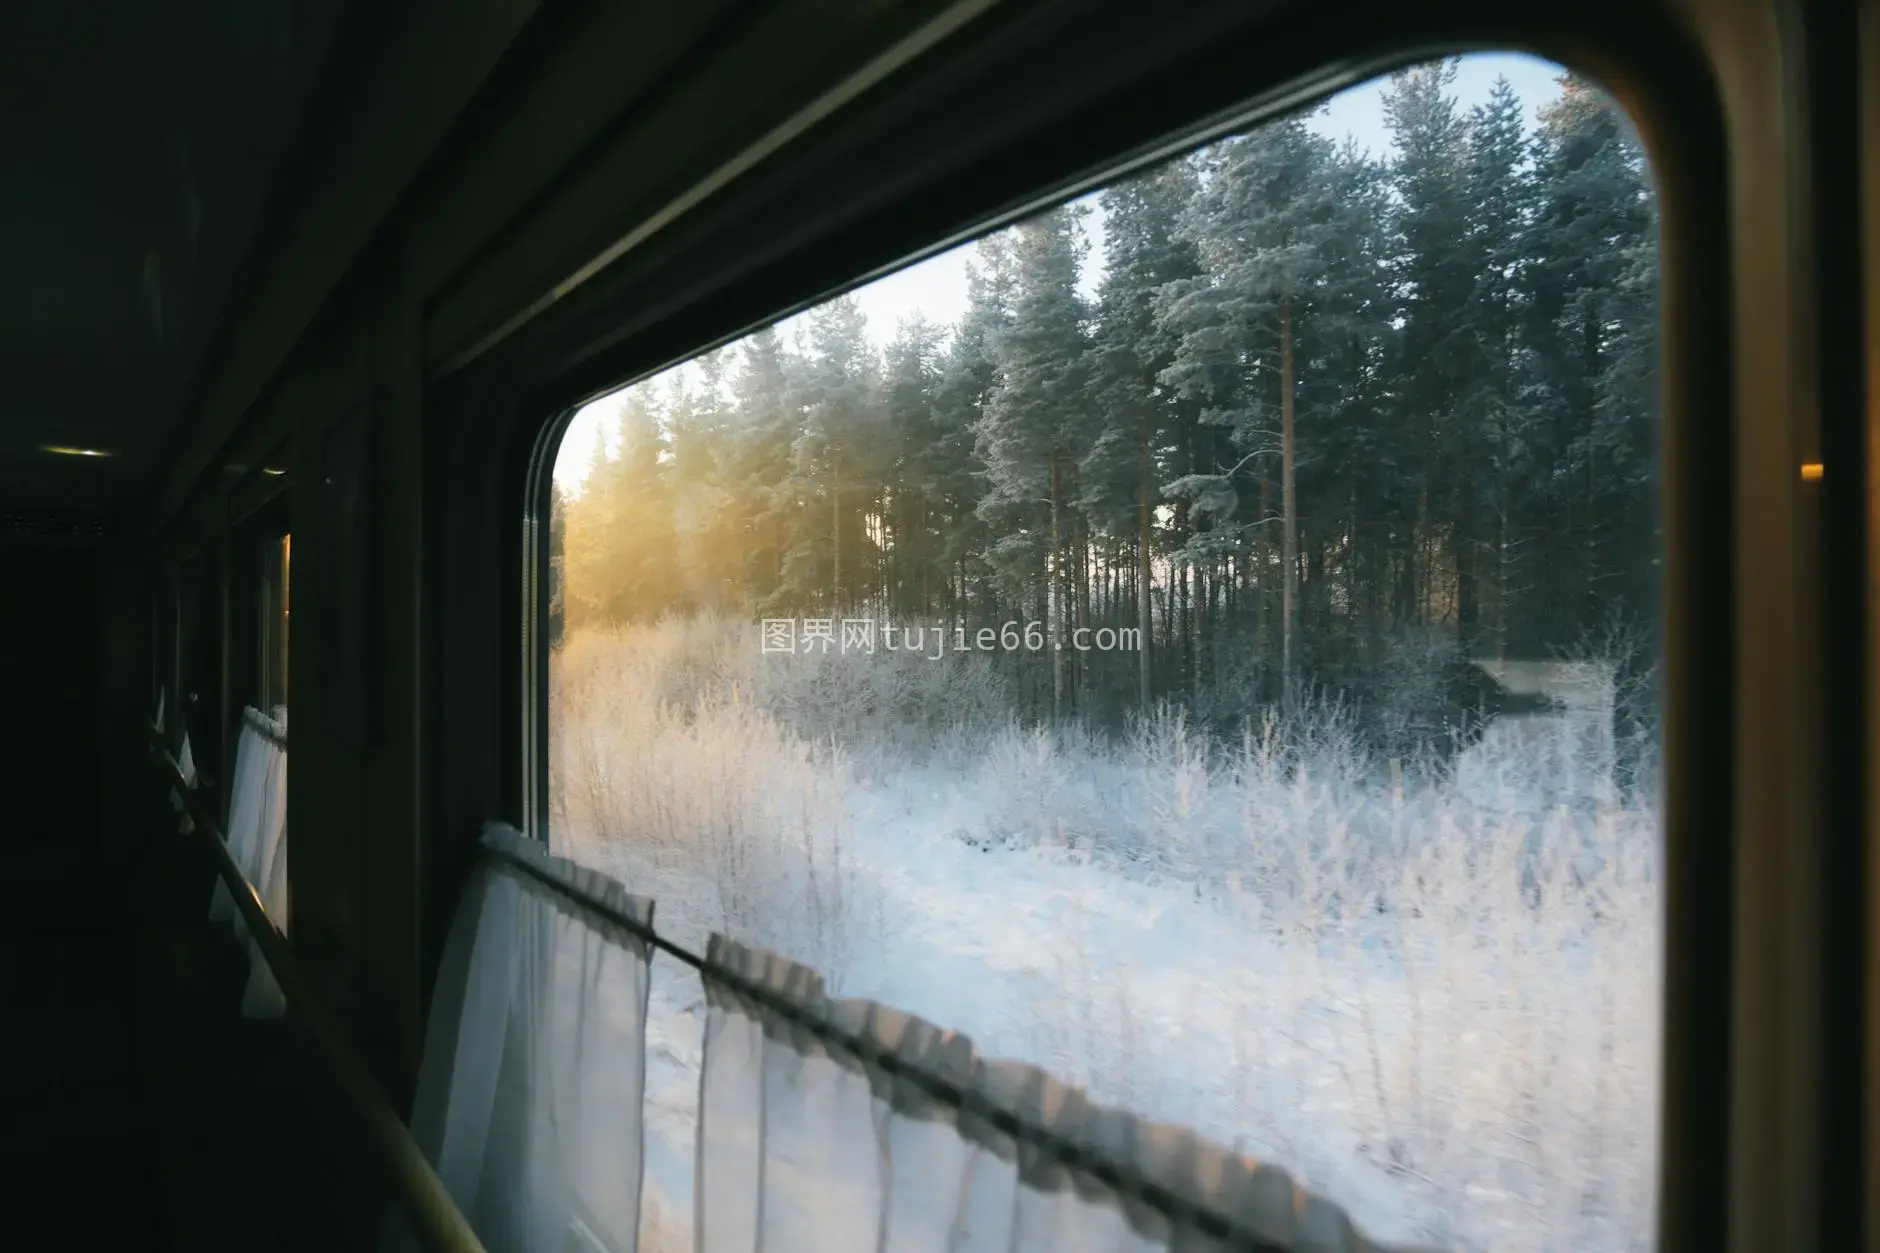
(64, 450)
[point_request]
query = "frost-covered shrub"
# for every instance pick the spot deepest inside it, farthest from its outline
(1433, 994)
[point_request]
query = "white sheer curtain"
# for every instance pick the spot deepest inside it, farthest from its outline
(186, 763)
(185, 766)
(805, 1145)
(531, 1087)
(262, 997)
(257, 842)
(244, 816)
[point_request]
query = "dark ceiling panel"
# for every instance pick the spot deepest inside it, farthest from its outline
(139, 144)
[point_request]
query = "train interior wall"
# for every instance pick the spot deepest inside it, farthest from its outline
(78, 1106)
(129, 1075)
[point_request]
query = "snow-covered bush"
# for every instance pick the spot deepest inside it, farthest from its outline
(1437, 1003)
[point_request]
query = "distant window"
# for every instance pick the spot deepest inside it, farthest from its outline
(201, 661)
(277, 557)
(157, 696)
(1200, 640)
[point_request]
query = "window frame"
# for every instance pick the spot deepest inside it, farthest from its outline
(166, 654)
(199, 679)
(535, 698)
(666, 304)
(251, 540)
(273, 584)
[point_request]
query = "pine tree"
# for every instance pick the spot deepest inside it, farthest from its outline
(1499, 205)
(707, 529)
(1317, 399)
(835, 461)
(1033, 425)
(763, 387)
(1590, 342)
(587, 540)
(1123, 471)
(968, 374)
(635, 500)
(1266, 224)
(915, 511)
(1437, 264)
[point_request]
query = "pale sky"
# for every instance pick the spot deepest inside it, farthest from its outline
(937, 287)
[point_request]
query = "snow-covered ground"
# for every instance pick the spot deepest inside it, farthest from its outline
(1439, 1009)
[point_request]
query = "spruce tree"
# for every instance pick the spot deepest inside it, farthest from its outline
(1139, 415)
(1265, 223)
(1035, 423)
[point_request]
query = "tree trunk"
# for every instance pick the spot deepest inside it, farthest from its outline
(926, 561)
(1289, 537)
(1054, 603)
(1263, 554)
(1351, 551)
(1502, 579)
(1467, 611)
(1201, 630)
(835, 529)
(1421, 578)
(1590, 579)
(1145, 623)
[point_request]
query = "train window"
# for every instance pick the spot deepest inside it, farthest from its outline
(200, 662)
(277, 554)
(166, 650)
(1201, 639)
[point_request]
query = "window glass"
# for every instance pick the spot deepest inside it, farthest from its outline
(1202, 640)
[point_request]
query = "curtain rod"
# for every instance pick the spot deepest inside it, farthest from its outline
(267, 728)
(1210, 1221)
(439, 1223)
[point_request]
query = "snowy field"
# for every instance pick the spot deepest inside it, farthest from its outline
(1436, 1005)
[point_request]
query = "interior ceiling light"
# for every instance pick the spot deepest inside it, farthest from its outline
(271, 470)
(65, 450)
